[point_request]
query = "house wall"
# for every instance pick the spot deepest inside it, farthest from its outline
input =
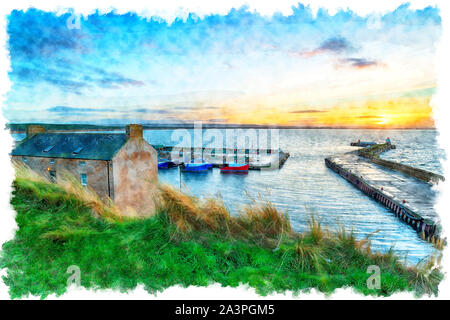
(135, 170)
(96, 171)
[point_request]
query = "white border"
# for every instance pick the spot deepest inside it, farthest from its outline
(169, 9)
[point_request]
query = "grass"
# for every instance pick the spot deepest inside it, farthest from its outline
(188, 242)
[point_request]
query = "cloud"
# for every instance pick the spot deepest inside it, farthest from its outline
(360, 63)
(180, 108)
(107, 79)
(370, 117)
(210, 108)
(69, 77)
(31, 75)
(64, 109)
(115, 81)
(146, 110)
(37, 34)
(308, 111)
(217, 120)
(335, 45)
(44, 50)
(71, 110)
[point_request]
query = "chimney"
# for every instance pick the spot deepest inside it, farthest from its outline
(32, 129)
(134, 131)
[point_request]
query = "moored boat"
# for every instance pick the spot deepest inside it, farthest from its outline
(196, 167)
(235, 167)
(209, 165)
(163, 165)
(166, 164)
(261, 162)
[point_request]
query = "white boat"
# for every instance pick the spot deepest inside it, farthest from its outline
(261, 162)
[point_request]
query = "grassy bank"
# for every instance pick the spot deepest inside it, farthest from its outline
(189, 242)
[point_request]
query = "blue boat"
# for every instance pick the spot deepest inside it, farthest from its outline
(163, 165)
(197, 167)
(166, 164)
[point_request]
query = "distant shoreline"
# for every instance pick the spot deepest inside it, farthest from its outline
(21, 127)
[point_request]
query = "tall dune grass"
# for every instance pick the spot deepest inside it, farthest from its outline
(258, 221)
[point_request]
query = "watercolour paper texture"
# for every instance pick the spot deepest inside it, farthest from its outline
(224, 151)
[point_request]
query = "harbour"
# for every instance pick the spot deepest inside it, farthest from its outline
(304, 184)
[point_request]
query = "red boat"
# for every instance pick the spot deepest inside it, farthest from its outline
(235, 167)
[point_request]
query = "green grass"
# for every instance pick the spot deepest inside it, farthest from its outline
(57, 230)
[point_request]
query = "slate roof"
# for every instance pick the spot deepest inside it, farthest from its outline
(94, 146)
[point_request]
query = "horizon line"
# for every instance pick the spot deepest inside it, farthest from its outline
(186, 125)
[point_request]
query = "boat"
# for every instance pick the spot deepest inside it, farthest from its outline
(196, 167)
(166, 164)
(261, 162)
(260, 165)
(163, 165)
(235, 167)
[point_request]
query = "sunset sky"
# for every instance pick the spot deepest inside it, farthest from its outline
(307, 68)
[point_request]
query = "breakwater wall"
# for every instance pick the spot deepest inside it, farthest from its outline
(372, 153)
(427, 229)
(414, 172)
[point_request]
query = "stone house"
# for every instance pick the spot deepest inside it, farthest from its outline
(120, 166)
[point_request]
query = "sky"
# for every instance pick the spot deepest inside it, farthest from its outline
(306, 68)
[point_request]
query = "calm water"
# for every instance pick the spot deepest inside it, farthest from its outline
(304, 184)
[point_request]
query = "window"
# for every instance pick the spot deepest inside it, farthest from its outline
(48, 149)
(77, 150)
(83, 179)
(52, 161)
(25, 159)
(82, 164)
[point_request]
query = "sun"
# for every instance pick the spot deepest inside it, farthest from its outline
(384, 119)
